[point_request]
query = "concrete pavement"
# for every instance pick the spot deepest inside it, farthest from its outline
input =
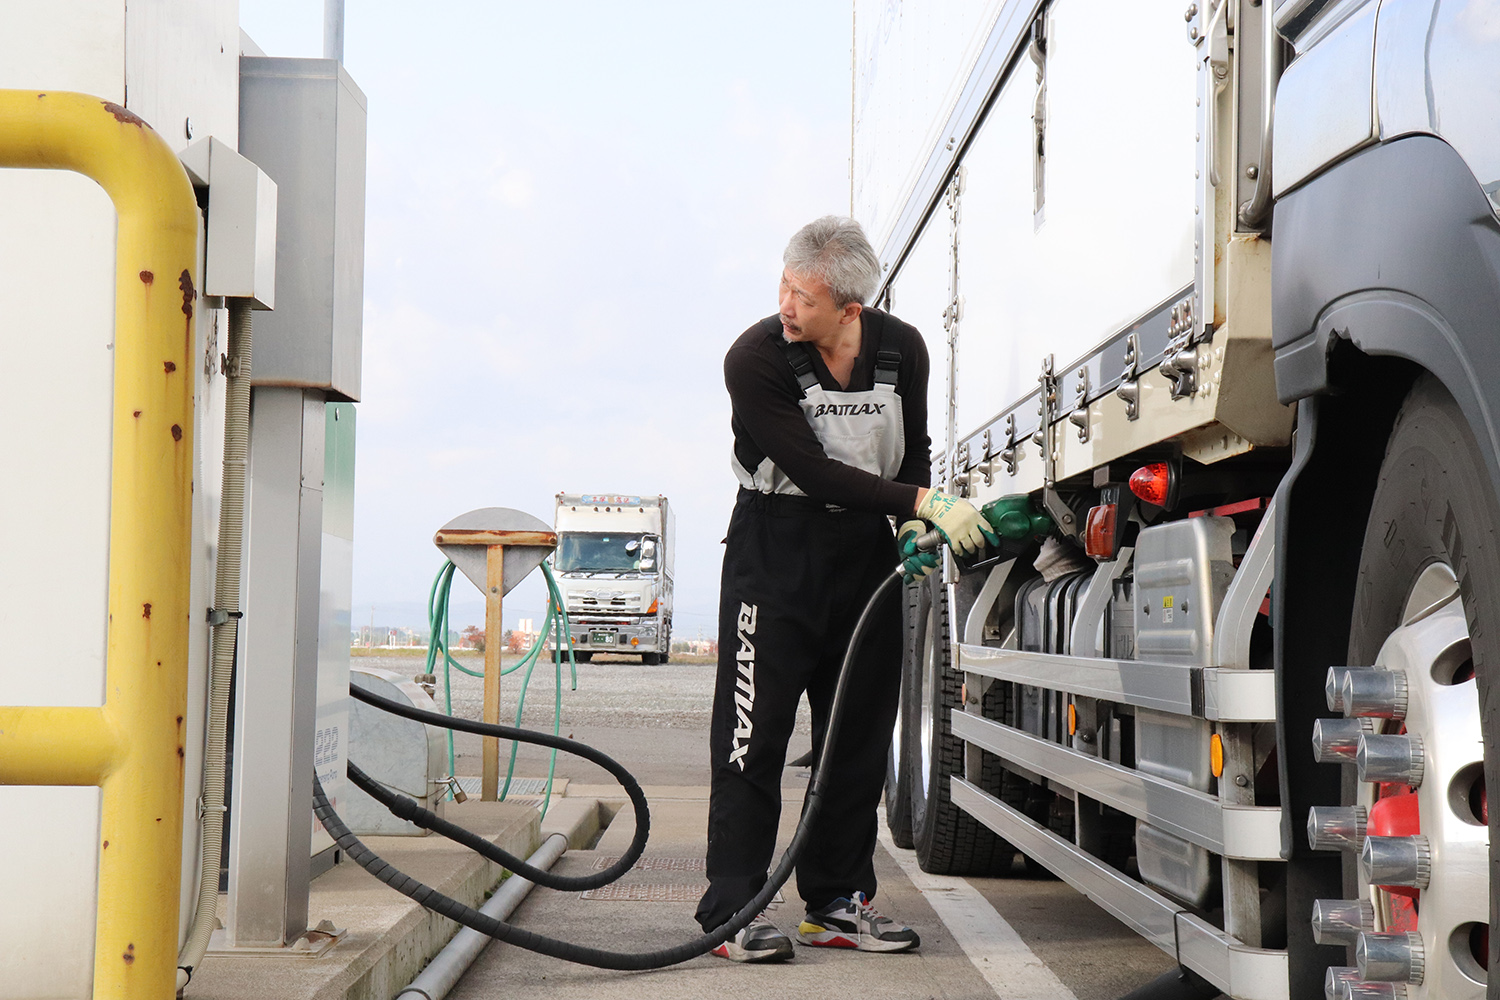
(1056, 945)
(678, 816)
(1026, 937)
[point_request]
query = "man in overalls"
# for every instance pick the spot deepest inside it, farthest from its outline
(829, 403)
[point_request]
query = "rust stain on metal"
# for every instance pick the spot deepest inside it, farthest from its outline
(147, 277)
(135, 413)
(176, 433)
(179, 718)
(124, 115)
(146, 610)
(129, 955)
(106, 845)
(179, 752)
(169, 366)
(185, 282)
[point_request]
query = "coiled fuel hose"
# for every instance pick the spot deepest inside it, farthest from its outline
(568, 951)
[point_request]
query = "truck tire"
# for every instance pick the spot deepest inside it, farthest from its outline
(650, 659)
(582, 657)
(1431, 538)
(948, 841)
(897, 775)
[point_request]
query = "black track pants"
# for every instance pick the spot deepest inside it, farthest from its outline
(796, 577)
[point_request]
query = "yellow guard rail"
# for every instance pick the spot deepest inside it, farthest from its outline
(132, 746)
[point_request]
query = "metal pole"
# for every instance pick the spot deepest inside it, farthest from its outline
(494, 645)
(333, 29)
(450, 964)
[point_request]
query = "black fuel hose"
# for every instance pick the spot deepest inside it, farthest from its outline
(404, 808)
(582, 954)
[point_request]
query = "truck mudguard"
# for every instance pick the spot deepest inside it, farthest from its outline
(1396, 251)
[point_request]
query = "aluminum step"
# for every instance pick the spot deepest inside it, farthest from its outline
(1240, 971)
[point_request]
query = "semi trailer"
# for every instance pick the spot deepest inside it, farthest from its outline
(1212, 295)
(614, 567)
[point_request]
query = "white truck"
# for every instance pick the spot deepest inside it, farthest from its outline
(614, 568)
(1244, 695)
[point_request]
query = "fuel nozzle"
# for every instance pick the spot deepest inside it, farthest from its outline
(1015, 519)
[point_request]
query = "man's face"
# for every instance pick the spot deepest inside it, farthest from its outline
(807, 309)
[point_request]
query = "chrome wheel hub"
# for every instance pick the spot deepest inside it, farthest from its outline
(1425, 850)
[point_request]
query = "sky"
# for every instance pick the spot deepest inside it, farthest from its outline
(572, 210)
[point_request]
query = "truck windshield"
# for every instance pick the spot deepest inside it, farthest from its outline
(597, 552)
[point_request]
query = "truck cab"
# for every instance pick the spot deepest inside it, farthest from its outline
(614, 567)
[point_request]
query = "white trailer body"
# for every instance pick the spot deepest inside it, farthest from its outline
(1217, 372)
(614, 567)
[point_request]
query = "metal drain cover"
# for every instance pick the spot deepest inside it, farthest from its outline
(653, 892)
(655, 863)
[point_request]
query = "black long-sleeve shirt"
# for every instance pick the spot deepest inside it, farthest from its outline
(768, 422)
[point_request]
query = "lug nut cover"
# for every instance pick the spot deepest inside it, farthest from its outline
(1336, 980)
(1336, 828)
(1396, 861)
(1356, 990)
(1333, 687)
(1380, 694)
(1392, 958)
(1340, 921)
(1398, 759)
(1336, 741)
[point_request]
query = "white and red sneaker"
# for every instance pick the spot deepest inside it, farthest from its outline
(759, 941)
(854, 923)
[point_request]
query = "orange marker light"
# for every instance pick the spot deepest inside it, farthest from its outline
(1099, 536)
(1072, 718)
(1216, 755)
(1152, 483)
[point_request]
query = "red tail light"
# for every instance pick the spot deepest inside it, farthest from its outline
(1153, 483)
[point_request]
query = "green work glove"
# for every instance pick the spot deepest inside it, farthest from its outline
(914, 565)
(962, 525)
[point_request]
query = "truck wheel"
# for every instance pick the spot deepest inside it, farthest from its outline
(1427, 604)
(582, 657)
(897, 774)
(650, 659)
(948, 841)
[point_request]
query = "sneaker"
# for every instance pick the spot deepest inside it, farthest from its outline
(854, 923)
(760, 941)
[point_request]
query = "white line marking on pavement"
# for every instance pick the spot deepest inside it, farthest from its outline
(997, 951)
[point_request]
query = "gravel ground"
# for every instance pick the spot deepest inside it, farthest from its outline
(653, 719)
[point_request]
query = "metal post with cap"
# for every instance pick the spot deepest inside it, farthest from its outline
(496, 548)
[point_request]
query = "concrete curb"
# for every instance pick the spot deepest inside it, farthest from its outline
(390, 938)
(579, 820)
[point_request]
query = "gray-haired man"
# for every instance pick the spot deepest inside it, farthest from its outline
(830, 437)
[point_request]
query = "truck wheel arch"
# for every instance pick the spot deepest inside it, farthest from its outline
(1395, 253)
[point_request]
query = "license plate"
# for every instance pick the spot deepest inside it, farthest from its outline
(602, 638)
